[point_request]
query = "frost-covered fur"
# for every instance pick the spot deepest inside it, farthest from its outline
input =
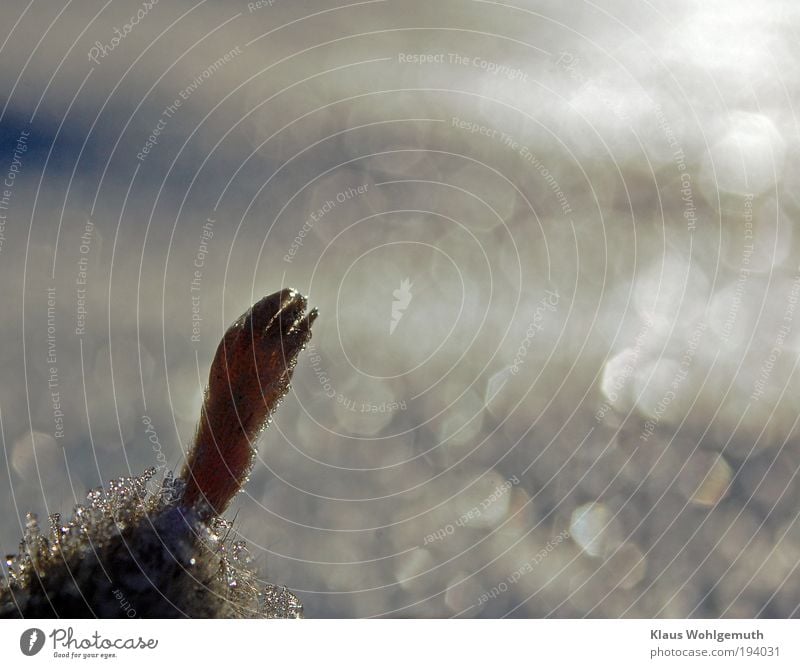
(127, 553)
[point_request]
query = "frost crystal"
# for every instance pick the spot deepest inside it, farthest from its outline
(144, 549)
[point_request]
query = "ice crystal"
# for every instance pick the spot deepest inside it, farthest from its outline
(164, 559)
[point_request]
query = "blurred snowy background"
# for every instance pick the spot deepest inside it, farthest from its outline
(554, 250)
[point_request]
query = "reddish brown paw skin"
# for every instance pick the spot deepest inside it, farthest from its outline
(249, 376)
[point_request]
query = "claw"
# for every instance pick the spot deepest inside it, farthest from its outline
(249, 376)
(265, 310)
(299, 334)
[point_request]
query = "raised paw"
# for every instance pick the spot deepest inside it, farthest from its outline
(249, 376)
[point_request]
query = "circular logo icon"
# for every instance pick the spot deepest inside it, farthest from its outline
(31, 641)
